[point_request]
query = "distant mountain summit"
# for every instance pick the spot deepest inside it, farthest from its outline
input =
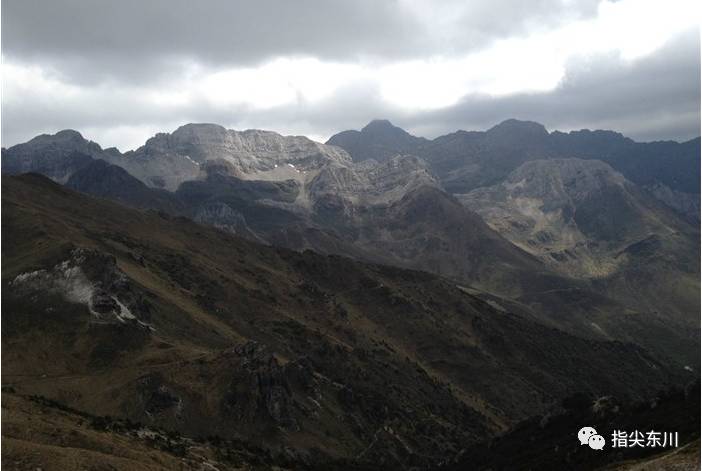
(167, 160)
(461, 161)
(57, 156)
(378, 140)
(249, 151)
(465, 160)
(515, 132)
(250, 154)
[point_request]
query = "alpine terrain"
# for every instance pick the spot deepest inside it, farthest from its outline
(220, 299)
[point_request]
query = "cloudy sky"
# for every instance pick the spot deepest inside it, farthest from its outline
(120, 71)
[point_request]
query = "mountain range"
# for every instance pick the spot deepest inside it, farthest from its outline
(465, 160)
(378, 299)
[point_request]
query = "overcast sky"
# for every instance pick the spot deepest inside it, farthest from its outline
(120, 71)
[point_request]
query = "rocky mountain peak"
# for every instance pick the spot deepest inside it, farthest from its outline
(194, 138)
(67, 138)
(518, 129)
(202, 142)
(528, 136)
(113, 151)
(380, 125)
(69, 135)
(167, 160)
(378, 140)
(383, 128)
(196, 128)
(600, 134)
(199, 132)
(55, 155)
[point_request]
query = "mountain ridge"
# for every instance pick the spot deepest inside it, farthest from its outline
(181, 319)
(323, 308)
(402, 211)
(610, 146)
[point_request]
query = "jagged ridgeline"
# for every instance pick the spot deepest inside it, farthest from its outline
(381, 300)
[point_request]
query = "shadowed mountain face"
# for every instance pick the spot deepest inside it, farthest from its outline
(670, 163)
(617, 216)
(463, 161)
(466, 160)
(57, 156)
(181, 326)
(378, 140)
(102, 179)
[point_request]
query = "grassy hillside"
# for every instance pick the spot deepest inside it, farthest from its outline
(159, 320)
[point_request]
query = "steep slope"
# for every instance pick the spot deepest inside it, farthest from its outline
(177, 325)
(685, 204)
(428, 229)
(338, 193)
(586, 220)
(393, 213)
(217, 199)
(294, 193)
(100, 178)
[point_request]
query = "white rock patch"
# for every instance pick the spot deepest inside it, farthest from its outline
(68, 280)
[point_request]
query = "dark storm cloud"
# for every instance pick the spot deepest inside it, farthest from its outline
(109, 57)
(655, 98)
(133, 39)
(207, 29)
